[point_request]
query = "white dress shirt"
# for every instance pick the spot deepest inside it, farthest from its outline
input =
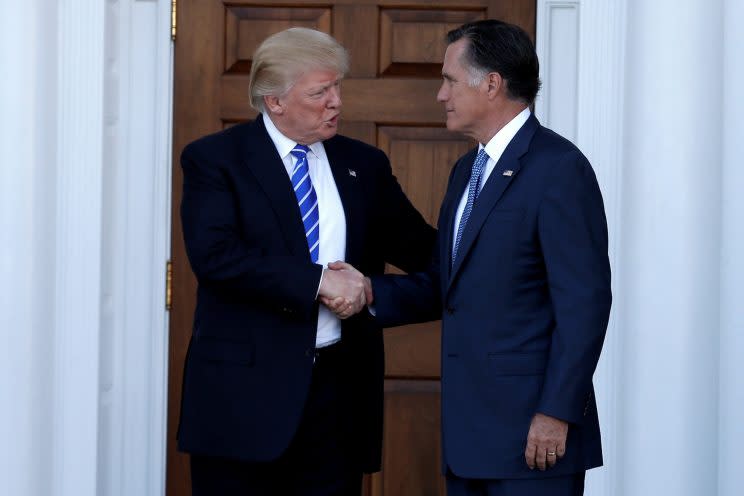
(494, 148)
(331, 215)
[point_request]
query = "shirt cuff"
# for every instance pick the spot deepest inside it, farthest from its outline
(317, 292)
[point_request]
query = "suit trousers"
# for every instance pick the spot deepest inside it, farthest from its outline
(318, 461)
(570, 485)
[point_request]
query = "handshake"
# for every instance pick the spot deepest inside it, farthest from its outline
(344, 290)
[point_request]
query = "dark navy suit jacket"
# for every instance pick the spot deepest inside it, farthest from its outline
(250, 358)
(524, 308)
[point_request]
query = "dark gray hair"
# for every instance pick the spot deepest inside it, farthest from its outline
(497, 46)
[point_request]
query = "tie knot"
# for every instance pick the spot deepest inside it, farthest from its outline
(299, 151)
(479, 164)
(482, 157)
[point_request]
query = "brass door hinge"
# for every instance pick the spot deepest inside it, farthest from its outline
(174, 7)
(168, 285)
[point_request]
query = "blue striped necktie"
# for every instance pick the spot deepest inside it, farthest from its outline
(307, 200)
(473, 189)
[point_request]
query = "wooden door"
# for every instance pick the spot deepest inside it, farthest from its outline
(389, 100)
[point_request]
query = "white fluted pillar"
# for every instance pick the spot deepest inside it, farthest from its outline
(80, 76)
(669, 304)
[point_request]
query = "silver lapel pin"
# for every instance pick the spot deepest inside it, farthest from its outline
(352, 173)
(508, 173)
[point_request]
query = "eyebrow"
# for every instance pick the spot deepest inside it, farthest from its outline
(448, 77)
(316, 89)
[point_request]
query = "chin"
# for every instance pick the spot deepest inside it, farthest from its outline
(329, 133)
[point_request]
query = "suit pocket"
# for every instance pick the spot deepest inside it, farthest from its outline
(527, 363)
(225, 350)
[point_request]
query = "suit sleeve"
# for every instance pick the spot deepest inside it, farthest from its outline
(407, 299)
(413, 298)
(573, 234)
(220, 256)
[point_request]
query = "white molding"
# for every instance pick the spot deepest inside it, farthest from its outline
(557, 45)
(78, 250)
(581, 45)
(161, 249)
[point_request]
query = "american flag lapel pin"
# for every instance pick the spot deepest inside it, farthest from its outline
(352, 172)
(508, 173)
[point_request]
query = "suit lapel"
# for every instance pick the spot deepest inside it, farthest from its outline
(494, 188)
(264, 163)
(449, 208)
(347, 180)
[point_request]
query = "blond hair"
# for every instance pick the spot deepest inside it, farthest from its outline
(282, 58)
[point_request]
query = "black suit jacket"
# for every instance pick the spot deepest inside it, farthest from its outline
(251, 354)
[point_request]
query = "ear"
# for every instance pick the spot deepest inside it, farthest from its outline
(273, 104)
(496, 84)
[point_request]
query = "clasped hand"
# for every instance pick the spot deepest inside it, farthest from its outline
(344, 290)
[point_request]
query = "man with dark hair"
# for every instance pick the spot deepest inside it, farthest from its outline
(521, 282)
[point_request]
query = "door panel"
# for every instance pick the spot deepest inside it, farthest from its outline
(389, 97)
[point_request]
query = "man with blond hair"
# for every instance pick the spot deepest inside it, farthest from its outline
(280, 396)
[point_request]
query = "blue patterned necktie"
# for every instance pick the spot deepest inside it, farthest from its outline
(307, 200)
(473, 189)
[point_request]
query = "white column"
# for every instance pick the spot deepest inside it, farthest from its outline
(27, 244)
(78, 249)
(731, 400)
(669, 304)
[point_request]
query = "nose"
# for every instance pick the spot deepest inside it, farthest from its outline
(442, 95)
(334, 98)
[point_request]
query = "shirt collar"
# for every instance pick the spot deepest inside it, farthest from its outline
(496, 146)
(283, 144)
